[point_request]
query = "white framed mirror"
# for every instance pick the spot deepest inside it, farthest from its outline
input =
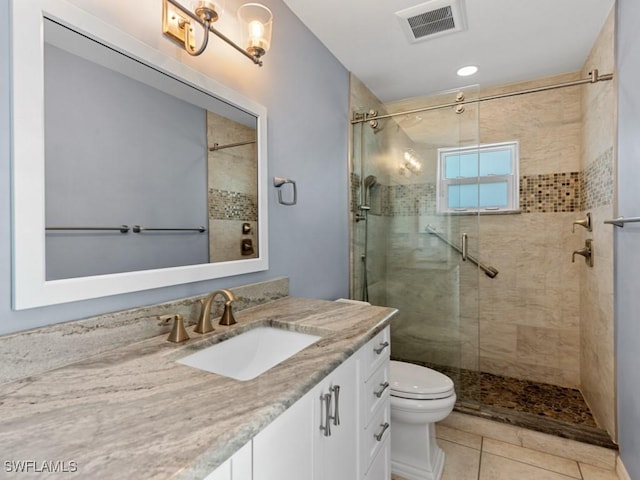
(111, 195)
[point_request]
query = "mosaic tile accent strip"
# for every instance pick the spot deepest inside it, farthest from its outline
(226, 205)
(545, 193)
(550, 193)
(408, 200)
(597, 182)
(355, 191)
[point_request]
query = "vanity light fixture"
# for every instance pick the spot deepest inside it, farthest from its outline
(412, 162)
(255, 20)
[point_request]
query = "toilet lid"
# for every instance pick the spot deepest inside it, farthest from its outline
(413, 381)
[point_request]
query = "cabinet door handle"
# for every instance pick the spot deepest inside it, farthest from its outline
(326, 400)
(382, 346)
(336, 416)
(378, 436)
(384, 386)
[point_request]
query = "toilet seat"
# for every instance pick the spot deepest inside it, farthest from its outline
(419, 383)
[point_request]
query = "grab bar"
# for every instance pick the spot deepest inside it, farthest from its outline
(121, 228)
(217, 146)
(489, 271)
(620, 221)
(125, 229)
(139, 229)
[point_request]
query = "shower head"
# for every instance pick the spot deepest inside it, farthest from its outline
(369, 182)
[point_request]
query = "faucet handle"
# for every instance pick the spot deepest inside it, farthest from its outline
(586, 252)
(178, 333)
(227, 316)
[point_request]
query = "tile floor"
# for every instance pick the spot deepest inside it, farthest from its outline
(534, 405)
(471, 456)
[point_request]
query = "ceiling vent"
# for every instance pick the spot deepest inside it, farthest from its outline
(432, 19)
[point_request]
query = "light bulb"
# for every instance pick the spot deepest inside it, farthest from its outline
(256, 30)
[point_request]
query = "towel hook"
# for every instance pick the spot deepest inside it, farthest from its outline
(278, 182)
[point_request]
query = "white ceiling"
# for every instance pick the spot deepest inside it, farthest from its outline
(509, 40)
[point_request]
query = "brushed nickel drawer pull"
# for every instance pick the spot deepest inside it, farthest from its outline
(382, 346)
(384, 386)
(378, 436)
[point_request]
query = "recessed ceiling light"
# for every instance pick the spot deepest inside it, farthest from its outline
(466, 71)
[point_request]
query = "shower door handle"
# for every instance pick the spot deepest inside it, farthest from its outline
(464, 241)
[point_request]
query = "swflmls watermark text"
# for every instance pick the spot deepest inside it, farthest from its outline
(40, 466)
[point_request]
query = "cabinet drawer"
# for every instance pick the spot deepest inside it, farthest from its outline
(375, 392)
(380, 468)
(376, 352)
(374, 436)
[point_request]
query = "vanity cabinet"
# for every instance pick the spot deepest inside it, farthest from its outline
(284, 449)
(336, 423)
(315, 438)
(339, 430)
(375, 413)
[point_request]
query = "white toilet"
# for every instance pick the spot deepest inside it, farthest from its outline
(419, 398)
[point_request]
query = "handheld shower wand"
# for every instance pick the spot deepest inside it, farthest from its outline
(369, 182)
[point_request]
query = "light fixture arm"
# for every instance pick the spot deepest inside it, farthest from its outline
(208, 27)
(187, 39)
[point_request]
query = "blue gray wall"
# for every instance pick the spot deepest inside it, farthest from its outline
(306, 92)
(627, 239)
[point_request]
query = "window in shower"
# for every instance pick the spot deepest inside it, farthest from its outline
(480, 178)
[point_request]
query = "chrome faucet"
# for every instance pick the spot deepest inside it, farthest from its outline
(204, 322)
(586, 252)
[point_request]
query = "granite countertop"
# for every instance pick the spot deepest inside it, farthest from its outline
(134, 412)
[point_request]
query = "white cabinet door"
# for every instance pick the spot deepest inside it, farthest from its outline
(223, 472)
(237, 467)
(284, 449)
(337, 444)
(242, 463)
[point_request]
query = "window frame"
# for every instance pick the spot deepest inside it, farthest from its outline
(512, 179)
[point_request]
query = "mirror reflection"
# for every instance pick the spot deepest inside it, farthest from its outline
(142, 170)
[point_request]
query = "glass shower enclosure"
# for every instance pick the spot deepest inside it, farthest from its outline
(414, 207)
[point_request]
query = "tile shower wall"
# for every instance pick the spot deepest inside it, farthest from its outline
(232, 187)
(529, 313)
(596, 285)
(526, 322)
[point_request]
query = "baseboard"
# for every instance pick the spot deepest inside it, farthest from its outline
(621, 470)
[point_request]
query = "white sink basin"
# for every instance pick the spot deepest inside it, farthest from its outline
(251, 353)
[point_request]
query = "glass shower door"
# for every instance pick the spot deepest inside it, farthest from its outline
(410, 235)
